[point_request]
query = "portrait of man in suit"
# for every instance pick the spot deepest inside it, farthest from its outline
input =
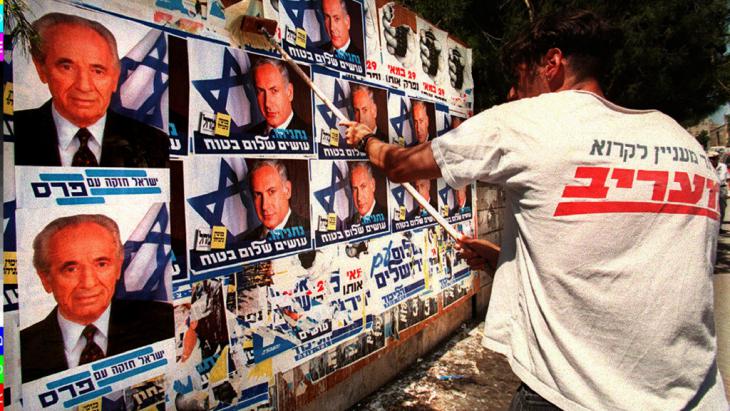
(365, 109)
(274, 94)
(78, 260)
(460, 196)
(423, 186)
(271, 191)
(337, 26)
(363, 184)
(77, 59)
(421, 121)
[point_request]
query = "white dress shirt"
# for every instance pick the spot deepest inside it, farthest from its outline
(74, 342)
(68, 144)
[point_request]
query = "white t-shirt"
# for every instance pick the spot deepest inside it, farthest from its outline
(603, 295)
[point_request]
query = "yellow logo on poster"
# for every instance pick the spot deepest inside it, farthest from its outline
(8, 99)
(301, 38)
(445, 211)
(334, 137)
(331, 222)
(218, 238)
(222, 124)
(403, 213)
(93, 405)
(10, 275)
(401, 141)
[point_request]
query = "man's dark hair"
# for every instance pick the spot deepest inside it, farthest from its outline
(581, 35)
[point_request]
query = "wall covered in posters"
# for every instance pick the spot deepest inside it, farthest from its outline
(185, 226)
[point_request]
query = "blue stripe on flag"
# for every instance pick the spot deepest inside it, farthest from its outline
(61, 177)
(80, 200)
(115, 173)
(123, 191)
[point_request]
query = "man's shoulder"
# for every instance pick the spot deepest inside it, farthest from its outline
(140, 305)
(41, 327)
(132, 143)
(257, 128)
(296, 220)
(298, 123)
(378, 209)
(141, 130)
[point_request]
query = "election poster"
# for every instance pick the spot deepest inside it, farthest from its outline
(326, 33)
(396, 270)
(432, 66)
(445, 265)
(317, 301)
(454, 204)
(373, 56)
(350, 201)
(122, 123)
(358, 101)
(243, 103)
(460, 87)
(399, 46)
(242, 211)
(115, 299)
(412, 122)
(211, 376)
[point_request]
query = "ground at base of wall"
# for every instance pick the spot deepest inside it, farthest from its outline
(461, 375)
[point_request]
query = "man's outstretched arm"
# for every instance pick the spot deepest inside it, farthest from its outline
(399, 164)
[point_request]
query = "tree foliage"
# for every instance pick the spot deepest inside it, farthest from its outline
(674, 56)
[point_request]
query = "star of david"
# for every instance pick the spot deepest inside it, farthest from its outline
(9, 231)
(231, 76)
(295, 10)
(326, 196)
(397, 122)
(217, 198)
(339, 100)
(150, 111)
(444, 194)
(447, 126)
(400, 195)
(156, 235)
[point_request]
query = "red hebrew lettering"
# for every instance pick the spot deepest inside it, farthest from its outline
(686, 194)
(624, 177)
(354, 274)
(712, 202)
(596, 189)
(397, 71)
(660, 179)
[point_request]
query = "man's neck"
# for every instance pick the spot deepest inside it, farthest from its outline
(572, 82)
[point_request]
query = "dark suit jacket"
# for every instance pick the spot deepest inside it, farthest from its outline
(352, 49)
(132, 324)
(297, 123)
(294, 220)
(416, 212)
(356, 219)
(126, 142)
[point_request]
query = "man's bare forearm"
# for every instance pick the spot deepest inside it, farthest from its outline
(403, 164)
